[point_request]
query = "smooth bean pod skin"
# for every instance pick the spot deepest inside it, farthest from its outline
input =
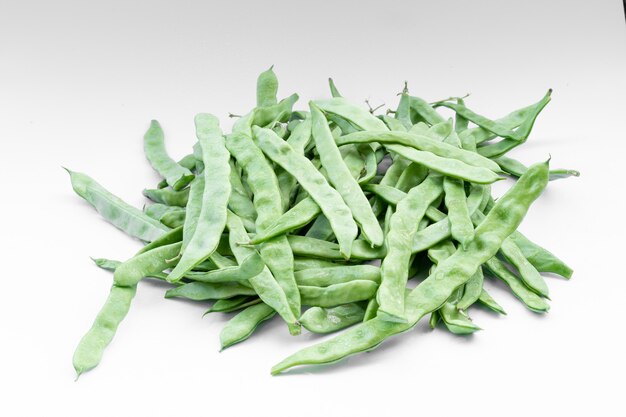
(91, 347)
(328, 320)
(120, 214)
(329, 200)
(501, 221)
(175, 175)
(240, 327)
(341, 178)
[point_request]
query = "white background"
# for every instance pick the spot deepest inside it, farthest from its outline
(79, 83)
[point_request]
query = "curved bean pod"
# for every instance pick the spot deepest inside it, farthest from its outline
(403, 227)
(501, 221)
(329, 200)
(517, 169)
(421, 143)
(91, 347)
(447, 166)
(228, 305)
(327, 320)
(175, 175)
(527, 297)
(262, 180)
(540, 258)
(215, 195)
(266, 88)
(342, 180)
(264, 284)
(356, 115)
(241, 327)
(518, 135)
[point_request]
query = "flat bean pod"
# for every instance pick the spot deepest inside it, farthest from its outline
(91, 347)
(323, 277)
(337, 294)
(241, 327)
(120, 214)
(342, 180)
(215, 196)
(175, 175)
(328, 320)
(329, 200)
(501, 221)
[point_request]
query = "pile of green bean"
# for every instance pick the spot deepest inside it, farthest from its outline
(361, 220)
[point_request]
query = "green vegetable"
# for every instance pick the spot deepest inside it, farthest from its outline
(335, 209)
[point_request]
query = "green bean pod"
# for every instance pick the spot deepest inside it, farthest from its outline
(322, 277)
(420, 143)
(342, 180)
(530, 299)
(453, 272)
(168, 196)
(120, 214)
(91, 347)
(214, 200)
(266, 88)
(336, 294)
(394, 267)
(146, 263)
(201, 291)
(175, 175)
(329, 200)
(241, 327)
(328, 320)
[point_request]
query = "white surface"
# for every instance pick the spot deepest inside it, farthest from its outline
(78, 86)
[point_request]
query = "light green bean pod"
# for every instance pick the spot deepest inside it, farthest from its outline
(175, 175)
(328, 320)
(336, 294)
(91, 347)
(341, 178)
(325, 276)
(120, 214)
(215, 195)
(428, 296)
(241, 327)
